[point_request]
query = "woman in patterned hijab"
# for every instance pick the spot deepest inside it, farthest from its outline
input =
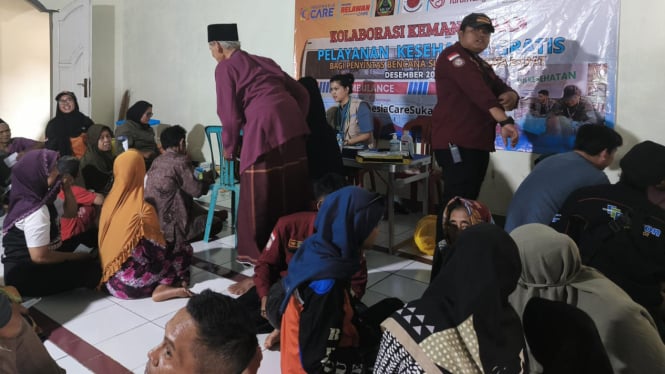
(463, 322)
(459, 214)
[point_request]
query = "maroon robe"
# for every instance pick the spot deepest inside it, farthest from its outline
(254, 95)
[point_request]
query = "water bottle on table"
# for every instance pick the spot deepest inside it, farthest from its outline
(395, 144)
(407, 143)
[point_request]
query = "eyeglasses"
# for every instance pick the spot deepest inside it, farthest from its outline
(149, 114)
(66, 100)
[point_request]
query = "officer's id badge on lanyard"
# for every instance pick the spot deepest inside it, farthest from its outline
(455, 153)
(343, 118)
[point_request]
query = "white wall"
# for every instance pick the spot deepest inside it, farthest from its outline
(25, 70)
(165, 58)
(106, 61)
(167, 61)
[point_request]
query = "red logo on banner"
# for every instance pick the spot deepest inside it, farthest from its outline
(437, 3)
(412, 5)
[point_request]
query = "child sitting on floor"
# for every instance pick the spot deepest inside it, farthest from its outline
(78, 223)
(287, 236)
(320, 329)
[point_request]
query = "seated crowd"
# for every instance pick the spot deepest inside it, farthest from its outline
(579, 264)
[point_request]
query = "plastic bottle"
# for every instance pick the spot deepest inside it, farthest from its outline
(198, 173)
(340, 141)
(122, 144)
(407, 143)
(394, 144)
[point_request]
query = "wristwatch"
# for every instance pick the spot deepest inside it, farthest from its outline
(507, 121)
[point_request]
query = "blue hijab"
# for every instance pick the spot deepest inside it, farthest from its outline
(345, 220)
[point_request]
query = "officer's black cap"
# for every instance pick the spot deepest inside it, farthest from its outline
(644, 164)
(477, 20)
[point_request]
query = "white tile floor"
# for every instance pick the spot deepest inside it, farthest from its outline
(125, 330)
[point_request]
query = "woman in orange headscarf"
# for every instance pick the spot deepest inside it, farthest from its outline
(134, 257)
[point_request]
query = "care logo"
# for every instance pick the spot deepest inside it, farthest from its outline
(413, 5)
(317, 12)
(436, 4)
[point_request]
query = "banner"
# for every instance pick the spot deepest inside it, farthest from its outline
(567, 49)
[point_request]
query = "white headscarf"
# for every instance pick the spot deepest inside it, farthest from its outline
(552, 269)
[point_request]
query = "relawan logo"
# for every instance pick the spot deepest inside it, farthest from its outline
(348, 9)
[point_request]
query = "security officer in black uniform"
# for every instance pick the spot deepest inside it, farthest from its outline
(620, 232)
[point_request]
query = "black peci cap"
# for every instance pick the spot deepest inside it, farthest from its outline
(477, 20)
(224, 32)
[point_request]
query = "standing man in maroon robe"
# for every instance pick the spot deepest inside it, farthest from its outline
(254, 95)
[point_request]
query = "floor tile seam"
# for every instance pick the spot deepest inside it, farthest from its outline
(217, 269)
(39, 306)
(56, 358)
(121, 306)
(143, 317)
(415, 258)
(369, 286)
(153, 321)
(122, 333)
(415, 280)
(381, 293)
(390, 268)
(70, 343)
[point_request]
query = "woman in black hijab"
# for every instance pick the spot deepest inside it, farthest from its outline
(463, 322)
(323, 153)
(66, 132)
(97, 163)
(138, 132)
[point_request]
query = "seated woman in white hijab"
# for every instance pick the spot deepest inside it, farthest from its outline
(552, 269)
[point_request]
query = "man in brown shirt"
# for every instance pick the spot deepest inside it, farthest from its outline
(171, 188)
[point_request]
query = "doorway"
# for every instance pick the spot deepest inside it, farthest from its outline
(25, 68)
